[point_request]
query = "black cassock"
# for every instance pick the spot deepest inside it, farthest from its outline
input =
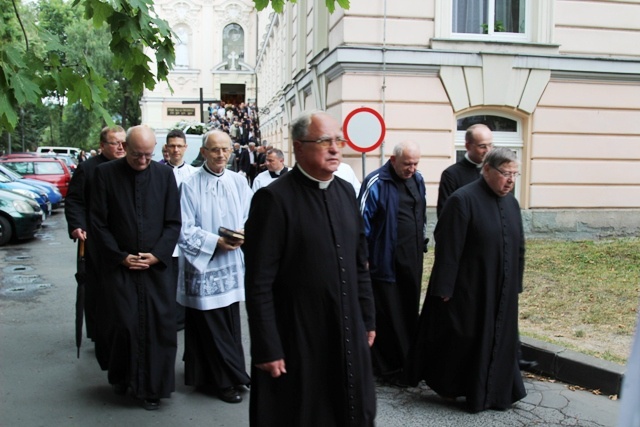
(136, 212)
(468, 346)
(310, 303)
(77, 212)
(457, 175)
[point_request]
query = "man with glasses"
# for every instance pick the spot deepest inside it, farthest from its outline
(77, 213)
(393, 203)
(478, 142)
(309, 300)
(211, 278)
(136, 222)
(176, 146)
(467, 343)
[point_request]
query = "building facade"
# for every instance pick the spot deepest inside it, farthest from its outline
(215, 55)
(557, 80)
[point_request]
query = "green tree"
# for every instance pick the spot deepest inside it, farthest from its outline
(34, 59)
(278, 5)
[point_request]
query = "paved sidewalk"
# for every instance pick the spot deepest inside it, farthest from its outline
(42, 383)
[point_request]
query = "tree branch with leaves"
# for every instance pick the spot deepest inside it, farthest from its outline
(33, 66)
(278, 5)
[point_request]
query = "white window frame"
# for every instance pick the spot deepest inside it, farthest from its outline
(512, 140)
(539, 21)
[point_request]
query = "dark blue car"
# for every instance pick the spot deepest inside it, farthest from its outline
(52, 192)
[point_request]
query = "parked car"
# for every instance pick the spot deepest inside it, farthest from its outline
(46, 169)
(29, 191)
(71, 162)
(71, 151)
(20, 217)
(50, 190)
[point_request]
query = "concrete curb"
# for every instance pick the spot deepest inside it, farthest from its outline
(572, 367)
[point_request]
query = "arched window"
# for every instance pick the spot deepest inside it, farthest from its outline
(507, 132)
(233, 46)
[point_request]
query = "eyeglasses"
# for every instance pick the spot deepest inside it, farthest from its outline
(172, 146)
(115, 143)
(511, 175)
(217, 149)
(327, 142)
(140, 155)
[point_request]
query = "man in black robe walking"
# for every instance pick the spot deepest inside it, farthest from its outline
(468, 334)
(393, 205)
(309, 299)
(478, 141)
(136, 222)
(77, 212)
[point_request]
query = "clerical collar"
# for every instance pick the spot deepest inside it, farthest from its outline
(321, 184)
(174, 166)
(281, 172)
(466, 156)
(206, 168)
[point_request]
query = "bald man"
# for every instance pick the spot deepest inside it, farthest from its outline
(136, 223)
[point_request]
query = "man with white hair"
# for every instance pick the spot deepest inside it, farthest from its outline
(393, 204)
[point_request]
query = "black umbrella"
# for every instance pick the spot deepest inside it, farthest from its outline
(80, 278)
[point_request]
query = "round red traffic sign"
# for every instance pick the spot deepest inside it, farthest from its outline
(364, 129)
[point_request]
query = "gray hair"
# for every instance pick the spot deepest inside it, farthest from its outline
(400, 148)
(206, 136)
(279, 154)
(300, 126)
(499, 156)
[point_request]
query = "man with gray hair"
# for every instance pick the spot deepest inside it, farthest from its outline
(467, 343)
(211, 278)
(275, 169)
(393, 204)
(309, 302)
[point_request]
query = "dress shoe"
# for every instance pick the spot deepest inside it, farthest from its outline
(230, 395)
(242, 388)
(527, 365)
(151, 404)
(119, 389)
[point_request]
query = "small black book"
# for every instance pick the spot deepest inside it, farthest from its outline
(231, 234)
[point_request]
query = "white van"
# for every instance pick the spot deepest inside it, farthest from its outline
(69, 151)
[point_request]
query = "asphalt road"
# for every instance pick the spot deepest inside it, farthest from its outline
(42, 383)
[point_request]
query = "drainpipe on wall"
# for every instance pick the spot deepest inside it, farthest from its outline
(384, 78)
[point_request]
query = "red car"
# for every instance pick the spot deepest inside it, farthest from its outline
(51, 170)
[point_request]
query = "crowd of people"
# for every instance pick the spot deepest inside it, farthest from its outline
(240, 121)
(330, 270)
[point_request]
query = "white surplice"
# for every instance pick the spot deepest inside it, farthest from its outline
(209, 280)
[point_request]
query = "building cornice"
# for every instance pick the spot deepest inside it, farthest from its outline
(369, 59)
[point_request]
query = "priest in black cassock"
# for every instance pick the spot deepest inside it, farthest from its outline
(468, 334)
(309, 299)
(136, 223)
(77, 212)
(478, 141)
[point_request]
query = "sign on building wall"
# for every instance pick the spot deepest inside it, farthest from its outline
(172, 111)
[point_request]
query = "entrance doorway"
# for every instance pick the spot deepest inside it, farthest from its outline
(232, 93)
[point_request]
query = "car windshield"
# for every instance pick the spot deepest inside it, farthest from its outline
(9, 173)
(48, 168)
(3, 178)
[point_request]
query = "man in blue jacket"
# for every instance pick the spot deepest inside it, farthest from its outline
(393, 204)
